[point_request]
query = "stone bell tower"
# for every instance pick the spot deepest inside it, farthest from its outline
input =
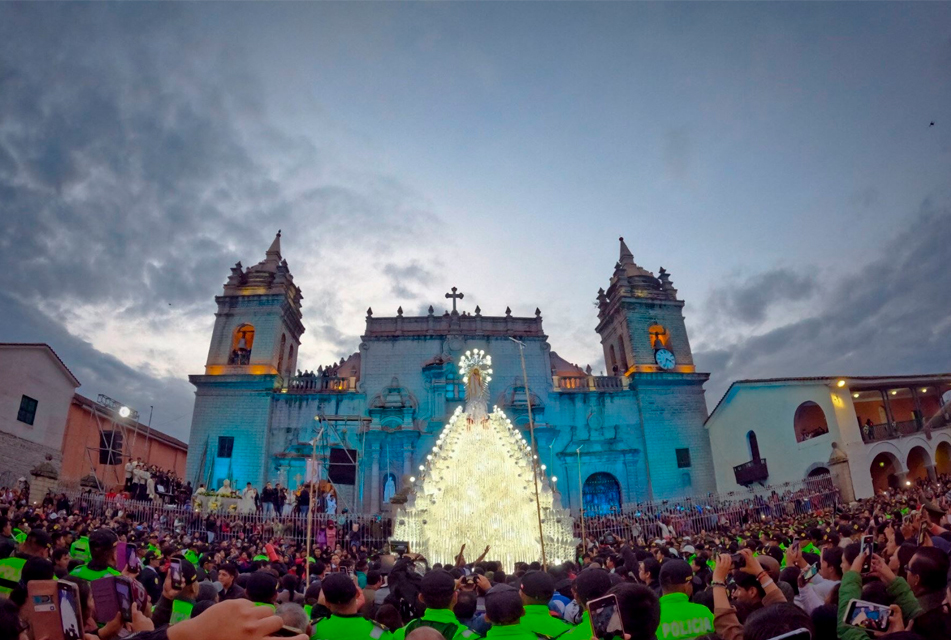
(253, 350)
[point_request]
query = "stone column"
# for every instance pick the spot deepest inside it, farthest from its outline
(841, 474)
(931, 473)
(375, 477)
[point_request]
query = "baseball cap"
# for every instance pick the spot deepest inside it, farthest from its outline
(102, 539)
(437, 584)
(189, 574)
(538, 585)
(675, 571)
(338, 588)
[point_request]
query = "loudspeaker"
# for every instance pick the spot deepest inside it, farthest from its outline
(343, 467)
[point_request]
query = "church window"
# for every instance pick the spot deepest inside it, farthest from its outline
(601, 494)
(683, 458)
(809, 421)
(622, 355)
(27, 412)
(455, 388)
(280, 357)
(225, 446)
(110, 447)
(660, 339)
(753, 445)
(241, 345)
(613, 356)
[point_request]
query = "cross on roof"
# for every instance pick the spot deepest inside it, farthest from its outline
(455, 296)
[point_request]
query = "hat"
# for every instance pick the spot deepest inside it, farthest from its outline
(338, 588)
(102, 539)
(688, 548)
(206, 591)
(538, 585)
(675, 571)
(189, 574)
(592, 583)
(150, 556)
(437, 584)
(934, 509)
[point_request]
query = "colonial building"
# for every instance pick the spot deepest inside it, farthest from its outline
(36, 388)
(886, 431)
(630, 436)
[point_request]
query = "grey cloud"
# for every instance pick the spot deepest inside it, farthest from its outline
(403, 276)
(750, 301)
(99, 372)
(889, 317)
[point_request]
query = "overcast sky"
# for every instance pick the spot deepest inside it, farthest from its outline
(777, 159)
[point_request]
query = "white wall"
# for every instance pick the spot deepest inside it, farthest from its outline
(34, 372)
(769, 410)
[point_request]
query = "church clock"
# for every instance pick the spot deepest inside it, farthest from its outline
(665, 359)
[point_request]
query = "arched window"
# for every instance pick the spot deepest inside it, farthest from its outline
(601, 494)
(622, 356)
(753, 444)
(659, 336)
(280, 356)
(290, 359)
(613, 363)
(241, 345)
(810, 421)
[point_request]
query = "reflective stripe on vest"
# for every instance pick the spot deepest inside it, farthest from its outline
(10, 571)
(181, 610)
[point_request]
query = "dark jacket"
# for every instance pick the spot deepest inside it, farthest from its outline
(234, 593)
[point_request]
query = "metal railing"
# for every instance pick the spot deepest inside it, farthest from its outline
(690, 516)
(687, 516)
(319, 384)
(589, 383)
(890, 431)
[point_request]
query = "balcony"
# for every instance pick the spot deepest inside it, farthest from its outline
(587, 384)
(319, 384)
(750, 472)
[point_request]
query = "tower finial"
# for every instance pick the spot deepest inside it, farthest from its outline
(275, 248)
(626, 256)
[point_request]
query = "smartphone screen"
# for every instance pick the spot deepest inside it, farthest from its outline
(69, 612)
(810, 572)
(132, 558)
(606, 618)
(867, 548)
(124, 592)
(175, 571)
(867, 615)
(921, 534)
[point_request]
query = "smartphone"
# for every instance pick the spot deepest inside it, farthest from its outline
(810, 572)
(739, 560)
(42, 610)
(867, 615)
(287, 632)
(122, 556)
(70, 613)
(921, 534)
(132, 558)
(399, 547)
(175, 571)
(112, 595)
(867, 548)
(606, 618)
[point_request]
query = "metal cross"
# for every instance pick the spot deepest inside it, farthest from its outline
(455, 296)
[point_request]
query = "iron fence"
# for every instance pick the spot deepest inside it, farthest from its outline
(685, 516)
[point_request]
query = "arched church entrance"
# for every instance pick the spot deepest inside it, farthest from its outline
(601, 493)
(818, 471)
(884, 468)
(918, 462)
(942, 458)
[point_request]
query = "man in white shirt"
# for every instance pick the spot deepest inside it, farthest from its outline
(129, 466)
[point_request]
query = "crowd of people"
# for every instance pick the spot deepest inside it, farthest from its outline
(152, 483)
(830, 573)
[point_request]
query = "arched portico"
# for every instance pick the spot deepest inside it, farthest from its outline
(886, 470)
(919, 464)
(942, 457)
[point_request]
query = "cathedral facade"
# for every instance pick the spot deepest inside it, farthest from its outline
(372, 418)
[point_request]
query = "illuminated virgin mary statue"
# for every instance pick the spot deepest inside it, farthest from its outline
(476, 487)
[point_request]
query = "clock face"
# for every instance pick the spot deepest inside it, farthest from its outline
(665, 359)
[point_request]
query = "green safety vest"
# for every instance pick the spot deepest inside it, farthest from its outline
(442, 620)
(680, 618)
(181, 610)
(84, 572)
(191, 556)
(80, 549)
(265, 604)
(354, 627)
(19, 536)
(307, 609)
(581, 631)
(513, 632)
(538, 620)
(10, 571)
(260, 558)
